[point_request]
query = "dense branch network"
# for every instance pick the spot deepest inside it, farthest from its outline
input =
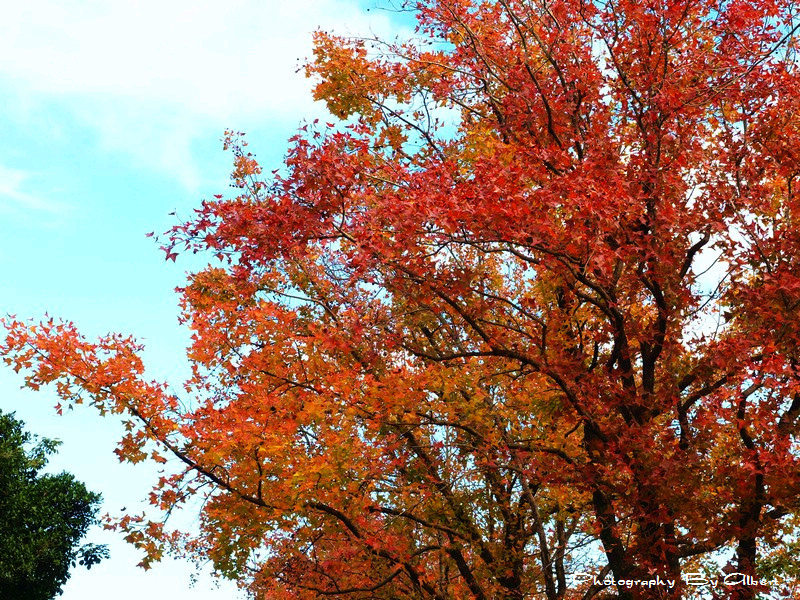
(529, 310)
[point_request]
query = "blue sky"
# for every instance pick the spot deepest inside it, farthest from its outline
(113, 111)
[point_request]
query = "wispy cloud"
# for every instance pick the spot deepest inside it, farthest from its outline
(15, 198)
(151, 76)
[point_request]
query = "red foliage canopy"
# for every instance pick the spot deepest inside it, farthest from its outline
(528, 310)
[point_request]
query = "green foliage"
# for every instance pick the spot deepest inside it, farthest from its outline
(43, 519)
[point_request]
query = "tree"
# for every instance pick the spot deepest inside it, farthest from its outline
(528, 310)
(43, 520)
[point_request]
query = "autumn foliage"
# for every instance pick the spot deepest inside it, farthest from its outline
(529, 308)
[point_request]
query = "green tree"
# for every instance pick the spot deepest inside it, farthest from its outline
(43, 518)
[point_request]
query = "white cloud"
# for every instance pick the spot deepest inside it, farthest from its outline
(16, 200)
(151, 75)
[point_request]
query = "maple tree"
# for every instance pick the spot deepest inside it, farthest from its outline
(528, 310)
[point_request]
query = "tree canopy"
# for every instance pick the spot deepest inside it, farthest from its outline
(44, 517)
(526, 309)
